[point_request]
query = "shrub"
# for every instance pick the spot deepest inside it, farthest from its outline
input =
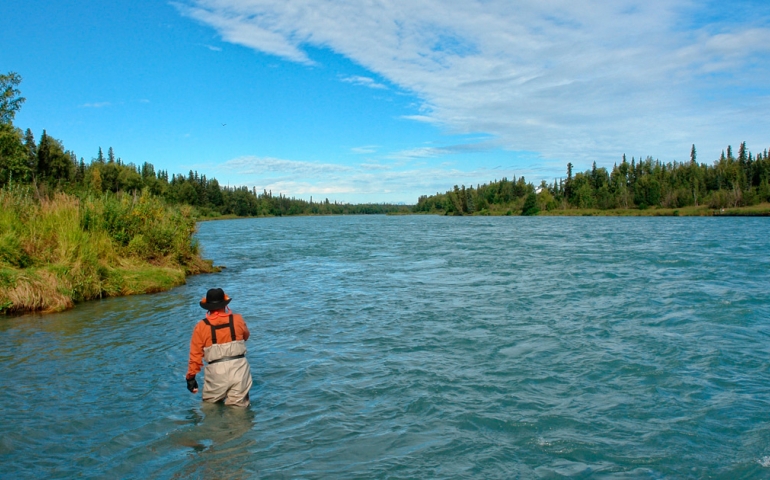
(59, 250)
(530, 205)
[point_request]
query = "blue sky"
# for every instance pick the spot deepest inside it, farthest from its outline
(361, 101)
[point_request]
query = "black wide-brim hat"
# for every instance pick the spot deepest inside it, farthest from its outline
(215, 299)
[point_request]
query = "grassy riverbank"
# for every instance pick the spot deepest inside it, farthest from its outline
(59, 250)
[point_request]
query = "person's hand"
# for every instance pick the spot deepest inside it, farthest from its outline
(192, 385)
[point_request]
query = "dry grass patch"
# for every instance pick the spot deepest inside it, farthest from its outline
(36, 291)
(60, 250)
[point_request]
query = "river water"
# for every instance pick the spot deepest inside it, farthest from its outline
(419, 347)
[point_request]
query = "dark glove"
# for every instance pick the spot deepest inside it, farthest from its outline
(192, 385)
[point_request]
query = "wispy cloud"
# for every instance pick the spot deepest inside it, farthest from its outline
(421, 118)
(431, 152)
(306, 189)
(367, 184)
(569, 79)
(250, 165)
(96, 105)
(364, 81)
(420, 152)
(375, 166)
(370, 181)
(241, 28)
(366, 149)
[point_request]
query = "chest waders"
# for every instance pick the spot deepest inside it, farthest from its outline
(227, 375)
(214, 329)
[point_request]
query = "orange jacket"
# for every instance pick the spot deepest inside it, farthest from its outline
(201, 337)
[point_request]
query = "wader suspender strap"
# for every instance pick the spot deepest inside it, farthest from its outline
(214, 329)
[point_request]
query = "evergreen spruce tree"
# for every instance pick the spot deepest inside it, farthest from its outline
(31, 147)
(43, 156)
(80, 175)
(54, 164)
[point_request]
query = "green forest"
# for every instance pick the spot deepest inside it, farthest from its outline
(731, 181)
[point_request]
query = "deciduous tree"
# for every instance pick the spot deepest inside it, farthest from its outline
(10, 96)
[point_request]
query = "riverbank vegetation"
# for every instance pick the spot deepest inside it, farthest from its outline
(60, 248)
(732, 185)
(70, 233)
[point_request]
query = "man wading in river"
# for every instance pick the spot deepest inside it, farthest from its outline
(220, 340)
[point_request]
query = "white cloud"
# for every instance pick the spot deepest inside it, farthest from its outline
(96, 105)
(421, 118)
(366, 149)
(420, 152)
(364, 81)
(250, 165)
(304, 189)
(570, 80)
(375, 166)
(367, 182)
(431, 152)
(240, 27)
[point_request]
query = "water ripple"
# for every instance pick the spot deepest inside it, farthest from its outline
(420, 347)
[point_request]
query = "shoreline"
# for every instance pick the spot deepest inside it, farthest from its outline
(759, 210)
(50, 289)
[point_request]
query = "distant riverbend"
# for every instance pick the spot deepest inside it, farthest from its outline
(419, 347)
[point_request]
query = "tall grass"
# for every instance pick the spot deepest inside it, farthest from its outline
(58, 250)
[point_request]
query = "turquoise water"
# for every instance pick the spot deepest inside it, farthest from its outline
(419, 347)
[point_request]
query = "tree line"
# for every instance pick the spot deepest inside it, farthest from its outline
(731, 181)
(48, 165)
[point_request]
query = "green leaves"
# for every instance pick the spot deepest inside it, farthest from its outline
(10, 96)
(530, 205)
